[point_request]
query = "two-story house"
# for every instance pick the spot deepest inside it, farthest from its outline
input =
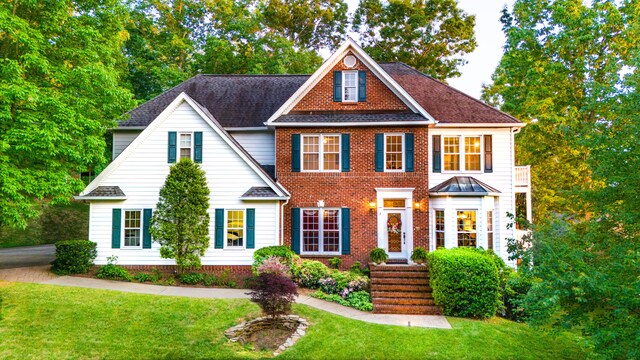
(356, 156)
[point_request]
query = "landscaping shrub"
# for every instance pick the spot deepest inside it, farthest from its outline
(191, 278)
(335, 262)
(273, 265)
(465, 282)
(274, 293)
(309, 273)
(144, 277)
(518, 285)
(113, 272)
(74, 257)
(224, 279)
(358, 300)
(280, 251)
(357, 269)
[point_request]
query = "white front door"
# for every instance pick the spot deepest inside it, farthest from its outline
(395, 233)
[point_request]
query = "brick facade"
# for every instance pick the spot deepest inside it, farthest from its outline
(356, 188)
(379, 97)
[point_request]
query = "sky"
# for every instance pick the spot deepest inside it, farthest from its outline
(489, 37)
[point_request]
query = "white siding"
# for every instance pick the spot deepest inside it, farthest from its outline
(143, 172)
(122, 139)
(502, 178)
(260, 144)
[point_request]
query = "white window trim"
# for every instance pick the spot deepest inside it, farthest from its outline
(435, 230)
(403, 152)
(344, 85)
(493, 230)
(321, 152)
(477, 211)
(180, 147)
(123, 230)
(461, 154)
(244, 229)
(320, 232)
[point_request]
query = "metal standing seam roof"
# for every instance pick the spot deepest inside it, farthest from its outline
(463, 186)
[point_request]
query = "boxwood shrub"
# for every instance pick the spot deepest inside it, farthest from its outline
(281, 251)
(74, 257)
(465, 282)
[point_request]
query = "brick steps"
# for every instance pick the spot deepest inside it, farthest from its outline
(402, 289)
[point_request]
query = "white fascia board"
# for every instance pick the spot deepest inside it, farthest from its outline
(480, 125)
(263, 198)
(343, 124)
(351, 45)
(124, 128)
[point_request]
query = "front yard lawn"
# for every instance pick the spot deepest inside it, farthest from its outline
(43, 321)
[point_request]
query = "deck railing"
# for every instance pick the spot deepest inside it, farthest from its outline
(523, 175)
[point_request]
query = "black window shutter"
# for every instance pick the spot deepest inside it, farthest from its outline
(197, 149)
(116, 223)
(219, 235)
(362, 86)
(295, 152)
(379, 152)
(146, 235)
(172, 147)
(346, 231)
(488, 154)
(437, 154)
(337, 86)
(295, 230)
(251, 228)
(408, 152)
(346, 152)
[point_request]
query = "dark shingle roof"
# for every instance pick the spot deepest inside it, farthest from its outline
(259, 192)
(270, 170)
(106, 191)
(233, 100)
(463, 185)
(443, 102)
(338, 118)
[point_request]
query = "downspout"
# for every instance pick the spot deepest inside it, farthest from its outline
(281, 241)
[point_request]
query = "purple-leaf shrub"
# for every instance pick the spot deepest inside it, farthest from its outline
(272, 265)
(274, 293)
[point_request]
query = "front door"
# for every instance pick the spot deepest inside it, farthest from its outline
(395, 233)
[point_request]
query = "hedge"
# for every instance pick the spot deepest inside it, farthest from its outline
(74, 256)
(465, 282)
(281, 251)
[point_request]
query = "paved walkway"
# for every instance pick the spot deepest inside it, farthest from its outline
(41, 275)
(24, 256)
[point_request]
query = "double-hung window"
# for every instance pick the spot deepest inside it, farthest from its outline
(490, 229)
(394, 152)
(132, 229)
(462, 153)
(321, 152)
(320, 231)
(186, 145)
(439, 228)
(235, 229)
(350, 86)
(467, 228)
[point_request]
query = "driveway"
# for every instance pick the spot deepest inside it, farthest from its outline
(25, 256)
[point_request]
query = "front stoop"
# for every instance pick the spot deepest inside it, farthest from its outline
(402, 289)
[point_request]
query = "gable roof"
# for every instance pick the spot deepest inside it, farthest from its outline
(463, 186)
(280, 191)
(233, 100)
(445, 103)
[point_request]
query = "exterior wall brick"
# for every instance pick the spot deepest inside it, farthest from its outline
(356, 188)
(379, 97)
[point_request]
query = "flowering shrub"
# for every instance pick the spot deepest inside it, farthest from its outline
(272, 265)
(309, 273)
(283, 252)
(328, 285)
(360, 300)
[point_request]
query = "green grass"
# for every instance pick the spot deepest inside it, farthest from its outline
(42, 321)
(55, 223)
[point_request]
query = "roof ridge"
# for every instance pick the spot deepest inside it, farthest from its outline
(251, 75)
(458, 91)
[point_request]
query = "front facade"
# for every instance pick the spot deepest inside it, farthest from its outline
(356, 156)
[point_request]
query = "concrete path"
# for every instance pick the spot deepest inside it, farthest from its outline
(41, 275)
(24, 256)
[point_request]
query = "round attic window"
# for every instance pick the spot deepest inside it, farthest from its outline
(350, 61)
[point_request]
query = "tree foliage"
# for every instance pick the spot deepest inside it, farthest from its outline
(430, 35)
(180, 223)
(60, 86)
(274, 293)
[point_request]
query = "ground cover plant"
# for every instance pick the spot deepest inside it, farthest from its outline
(45, 321)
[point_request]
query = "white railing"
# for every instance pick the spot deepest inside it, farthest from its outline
(523, 175)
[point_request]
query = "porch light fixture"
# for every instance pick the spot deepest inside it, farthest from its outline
(416, 205)
(320, 203)
(372, 207)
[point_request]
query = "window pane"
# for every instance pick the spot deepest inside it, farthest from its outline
(331, 152)
(311, 153)
(350, 94)
(331, 231)
(235, 227)
(331, 162)
(310, 231)
(185, 153)
(311, 162)
(185, 140)
(466, 223)
(452, 153)
(472, 153)
(439, 228)
(393, 203)
(393, 153)
(490, 230)
(311, 144)
(132, 220)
